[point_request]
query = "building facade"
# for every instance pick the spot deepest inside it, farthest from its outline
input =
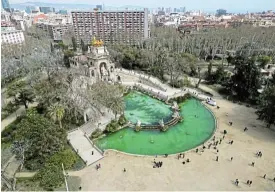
(9, 35)
(47, 10)
(55, 30)
(111, 26)
(6, 5)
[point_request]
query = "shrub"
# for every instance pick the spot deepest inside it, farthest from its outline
(96, 133)
(137, 128)
(122, 120)
(50, 176)
(67, 157)
(112, 126)
(180, 99)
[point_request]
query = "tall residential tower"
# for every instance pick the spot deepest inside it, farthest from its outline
(111, 26)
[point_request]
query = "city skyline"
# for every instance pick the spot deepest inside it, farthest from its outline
(207, 5)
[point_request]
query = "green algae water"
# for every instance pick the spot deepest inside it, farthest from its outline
(146, 109)
(189, 133)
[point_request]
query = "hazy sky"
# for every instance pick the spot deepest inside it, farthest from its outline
(230, 5)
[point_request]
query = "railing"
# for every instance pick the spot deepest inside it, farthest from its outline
(99, 150)
(151, 92)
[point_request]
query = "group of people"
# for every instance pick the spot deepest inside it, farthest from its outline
(259, 154)
(157, 164)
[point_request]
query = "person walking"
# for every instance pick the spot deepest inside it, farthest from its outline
(250, 183)
(247, 182)
(237, 182)
(217, 158)
(231, 158)
(124, 170)
(264, 176)
(92, 152)
(252, 164)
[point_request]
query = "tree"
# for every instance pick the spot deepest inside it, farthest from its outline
(74, 44)
(67, 55)
(56, 112)
(82, 46)
(264, 60)
(21, 92)
(266, 108)
(245, 82)
(67, 157)
(18, 148)
(221, 12)
(44, 138)
(50, 176)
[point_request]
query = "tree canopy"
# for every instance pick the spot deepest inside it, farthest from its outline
(245, 82)
(266, 109)
(44, 138)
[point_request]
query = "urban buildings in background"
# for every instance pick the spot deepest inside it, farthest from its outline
(111, 26)
(122, 26)
(6, 5)
(9, 35)
(47, 10)
(99, 7)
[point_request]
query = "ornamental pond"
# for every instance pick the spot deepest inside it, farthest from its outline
(197, 127)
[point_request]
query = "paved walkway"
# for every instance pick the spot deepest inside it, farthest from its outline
(83, 146)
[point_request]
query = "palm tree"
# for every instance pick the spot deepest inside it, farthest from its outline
(56, 112)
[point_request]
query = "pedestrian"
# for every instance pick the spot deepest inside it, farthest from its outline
(80, 188)
(183, 155)
(253, 163)
(237, 182)
(124, 170)
(197, 150)
(223, 137)
(217, 151)
(247, 182)
(96, 167)
(232, 142)
(245, 129)
(92, 152)
(261, 154)
(178, 157)
(250, 183)
(187, 160)
(160, 164)
(99, 166)
(217, 158)
(274, 179)
(264, 176)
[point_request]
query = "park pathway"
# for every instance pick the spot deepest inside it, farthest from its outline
(11, 118)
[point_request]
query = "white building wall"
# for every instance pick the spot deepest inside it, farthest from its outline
(12, 37)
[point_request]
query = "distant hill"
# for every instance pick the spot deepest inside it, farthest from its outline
(22, 6)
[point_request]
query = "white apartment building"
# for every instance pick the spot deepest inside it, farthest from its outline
(9, 35)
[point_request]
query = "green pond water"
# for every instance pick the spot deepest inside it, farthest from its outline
(189, 133)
